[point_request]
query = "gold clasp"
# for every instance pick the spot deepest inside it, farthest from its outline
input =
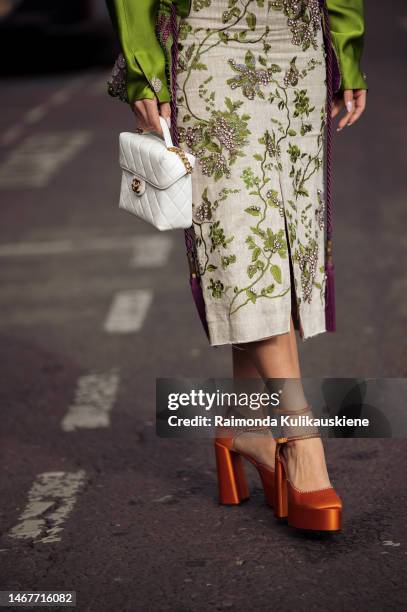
(135, 185)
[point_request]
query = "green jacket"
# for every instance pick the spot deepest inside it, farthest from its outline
(146, 75)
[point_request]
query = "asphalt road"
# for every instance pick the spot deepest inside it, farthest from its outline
(91, 499)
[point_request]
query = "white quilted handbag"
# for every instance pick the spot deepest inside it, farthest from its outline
(156, 180)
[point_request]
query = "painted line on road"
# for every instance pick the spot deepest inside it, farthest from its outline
(128, 311)
(50, 501)
(99, 86)
(34, 115)
(37, 113)
(147, 251)
(11, 134)
(94, 399)
(151, 251)
(19, 249)
(39, 157)
(60, 247)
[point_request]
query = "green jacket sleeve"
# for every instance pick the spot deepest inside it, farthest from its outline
(145, 58)
(347, 31)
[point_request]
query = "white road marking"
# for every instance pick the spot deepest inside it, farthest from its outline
(50, 501)
(99, 87)
(39, 157)
(11, 134)
(148, 251)
(35, 248)
(151, 251)
(94, 399)
(35, 114)
(128, 311)
(59, 247)
(38, 113)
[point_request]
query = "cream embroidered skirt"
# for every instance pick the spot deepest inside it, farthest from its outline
(251, 106)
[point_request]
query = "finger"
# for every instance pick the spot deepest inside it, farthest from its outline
(165, 111)
(349, 100)
(359, 110)
(355, 116)
(153, 116)
(336, 107)
(344, 120)
(360, 105)
(141, 115)
(350, 107)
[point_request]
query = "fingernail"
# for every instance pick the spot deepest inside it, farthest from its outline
(349, 106)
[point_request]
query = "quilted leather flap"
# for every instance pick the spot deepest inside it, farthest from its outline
(147, 157)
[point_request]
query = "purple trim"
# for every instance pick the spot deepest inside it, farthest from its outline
(329, 267)
(189, 233)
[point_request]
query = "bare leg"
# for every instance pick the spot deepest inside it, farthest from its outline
(261, 446)
(277, 357)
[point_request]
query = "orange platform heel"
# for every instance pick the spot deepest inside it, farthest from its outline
(319, 510)
(232, 481)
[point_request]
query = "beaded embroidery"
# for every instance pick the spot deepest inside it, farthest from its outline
(116, 87)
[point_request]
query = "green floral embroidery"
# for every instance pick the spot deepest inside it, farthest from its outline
(217, 288)
(304, 20)
(218, 133)
(216, 241)
(218, 141)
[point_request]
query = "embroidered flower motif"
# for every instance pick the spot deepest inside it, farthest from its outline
(163, 28)
(203, 213)
(320, 210)
(217, 288)
(249, 78)
(273, 149)
(304, 20)
(307, 259)
(213, 164)
(292, 75)
(117, 84)
(191, 135)
(225, 133)
(217, 142)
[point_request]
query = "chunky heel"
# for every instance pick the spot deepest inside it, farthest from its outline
(267, 480)
(280, 489)
(232, 483)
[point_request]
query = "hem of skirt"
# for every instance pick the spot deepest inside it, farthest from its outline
(286, 330)
(314, 333)
(252, 338)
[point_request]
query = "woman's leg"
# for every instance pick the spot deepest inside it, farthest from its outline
(259, 445)
(277, 357)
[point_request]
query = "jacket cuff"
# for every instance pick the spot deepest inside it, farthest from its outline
(349, 53)
(153, 82)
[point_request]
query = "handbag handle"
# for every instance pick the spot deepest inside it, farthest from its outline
(169, 144)
(166, 133)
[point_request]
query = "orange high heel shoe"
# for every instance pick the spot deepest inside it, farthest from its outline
(319, 510)
(232, 482)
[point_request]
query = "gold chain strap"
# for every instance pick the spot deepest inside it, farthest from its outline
(181, 154)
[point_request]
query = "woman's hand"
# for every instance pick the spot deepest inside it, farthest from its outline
(354, 100)
(148, 114)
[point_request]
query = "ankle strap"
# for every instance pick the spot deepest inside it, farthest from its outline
(281, 441)
(244, 430)
(285, 412)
